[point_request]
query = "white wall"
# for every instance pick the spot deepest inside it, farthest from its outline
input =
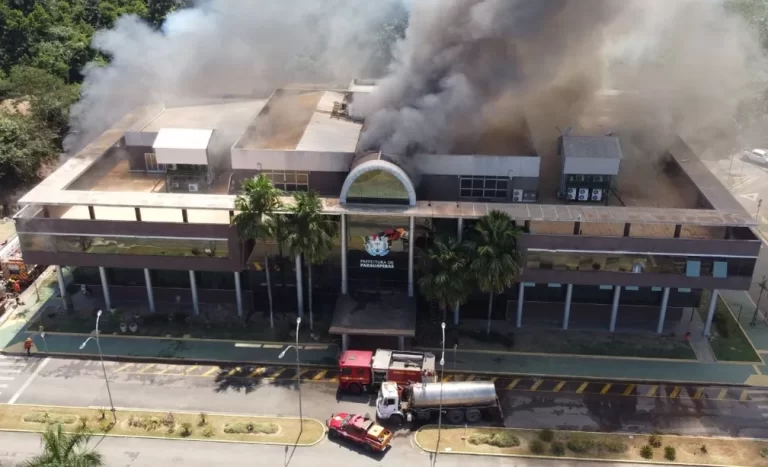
(483, 165)
(305, 161)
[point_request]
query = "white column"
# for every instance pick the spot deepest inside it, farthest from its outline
(193, 286)
(663, 311)
(344, 342)
(344, 246)
(401, 342)
(567, 311)
(62, 287)
(615, 307)
(520, 299)
(411, 241)
(299, 287)
(238, 294)
(710, 312)
(459, 234)
(105, 288)
(150, 292)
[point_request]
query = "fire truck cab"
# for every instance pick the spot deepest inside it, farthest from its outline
(363, 370)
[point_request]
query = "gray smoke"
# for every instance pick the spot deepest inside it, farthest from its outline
(223, 47)
(469, 68)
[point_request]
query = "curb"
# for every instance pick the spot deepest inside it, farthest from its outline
(579, 459)
(567, 355)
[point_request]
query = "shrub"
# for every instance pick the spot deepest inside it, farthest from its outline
(208, 432)
(654, 441)
(558, 448)
(105, 425)
(102, 413)
(703, 449)
(580, 443)
(186, 429)
(670, 453)
(171, 429)
(250, 427)
(49, 418)
(611, 447)
(169, 420)
(547, 435)
(83, 420)
(502, 439)
(646, 452)
(764, 452)
(203, 419)
(537, 446)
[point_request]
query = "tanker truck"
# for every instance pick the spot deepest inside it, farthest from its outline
(461, 401)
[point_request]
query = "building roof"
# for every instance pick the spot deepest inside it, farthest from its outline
(604, 147)
(182, 138)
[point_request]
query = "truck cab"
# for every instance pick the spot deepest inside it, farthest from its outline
(355, 370)
(388, 403)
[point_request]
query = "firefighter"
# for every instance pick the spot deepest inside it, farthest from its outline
(28, 346)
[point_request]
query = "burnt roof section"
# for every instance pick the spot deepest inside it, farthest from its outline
(604, 147)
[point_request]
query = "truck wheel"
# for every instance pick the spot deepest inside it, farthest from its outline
(367, 448)
(332, 434)
(473, 415)
(355, 388)
(396, 420)
(455, 416)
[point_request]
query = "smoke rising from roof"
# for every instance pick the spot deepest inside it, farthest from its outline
(467, 68)
(223, 47)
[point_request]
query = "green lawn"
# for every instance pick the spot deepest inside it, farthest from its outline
(729, 343)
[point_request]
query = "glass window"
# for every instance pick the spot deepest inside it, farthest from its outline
(142, 246)
(288, 180)
(483, 187)
(720, 269)
(693, 269)
(377, 185)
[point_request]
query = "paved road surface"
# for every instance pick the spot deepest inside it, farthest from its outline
(131, 452)
(527, 403)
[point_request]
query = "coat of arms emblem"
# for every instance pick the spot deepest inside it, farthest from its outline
(379, 245)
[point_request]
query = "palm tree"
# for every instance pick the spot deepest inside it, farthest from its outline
(309, 235)
(65, 450)
(495, 265)
(256, 220)
(446, 280)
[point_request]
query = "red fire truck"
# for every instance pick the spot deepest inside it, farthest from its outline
(363, 370)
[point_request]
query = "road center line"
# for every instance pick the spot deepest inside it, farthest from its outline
(29, 380)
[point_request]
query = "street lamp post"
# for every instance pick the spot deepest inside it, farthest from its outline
(298, 371)
(440, 409)
(103, 367)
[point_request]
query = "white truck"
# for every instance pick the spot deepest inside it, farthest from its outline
(460, 402)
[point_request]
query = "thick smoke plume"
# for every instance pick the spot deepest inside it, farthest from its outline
(472, 70)
(223, 47)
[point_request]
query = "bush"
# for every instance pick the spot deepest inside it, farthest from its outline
(502, 439)
(102, 413)
(208, 432)
(654, 441)
(547, 435)
(670, 453)
(186, 429)
(83, 420)
(764, 452)
(558, 448)
(646, 452)
(611, 447)
(169, 420)
(703, 449)
(203, 419)
(580, 443)
(49, 418)
(251, 427)
(537, 446)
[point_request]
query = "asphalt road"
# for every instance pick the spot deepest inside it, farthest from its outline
(133, 452)
(528, 404)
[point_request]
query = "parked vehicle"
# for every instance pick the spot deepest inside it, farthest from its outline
(461, 401)
(363, 370)
(359, 429)
(758, 156)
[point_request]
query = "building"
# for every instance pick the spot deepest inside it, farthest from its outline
(143, 213)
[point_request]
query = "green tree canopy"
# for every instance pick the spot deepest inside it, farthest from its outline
(24, 145)
(65, 450)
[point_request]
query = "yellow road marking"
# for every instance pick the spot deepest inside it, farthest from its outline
(699, 393)
(164, 371)
(335, 378)
(191, 369)
(447, 378)
(675, 392)
(210, 372)
(148, 367)
(276, 374)
(743, 396)
(722, 394)
(470, 378)
(493, 380)
(606, 388)
(299, 375)
(629, 390)
(257, 372)
(652, 391)
(536, 384)
(559, 386)
(234, 371)
(458, 377)
(512, 385)
(320, 375)
(582, 388)
(123, 368)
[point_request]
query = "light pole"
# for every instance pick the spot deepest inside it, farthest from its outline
(298, 371)
(440, 409)
(103, 367)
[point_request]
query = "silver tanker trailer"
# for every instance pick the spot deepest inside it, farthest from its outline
(460, 401)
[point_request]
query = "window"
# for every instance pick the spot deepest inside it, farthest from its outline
(377, 186)
(124, 245)
(484, 187)
(288, 180)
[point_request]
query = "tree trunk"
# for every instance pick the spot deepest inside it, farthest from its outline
(269, 292)
(299, 288)
(757, 308)
(490, 311)
(309, 297)
(283, 290)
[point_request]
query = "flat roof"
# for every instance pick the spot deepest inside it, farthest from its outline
(604, 147)
(215, 115)
(182, 138)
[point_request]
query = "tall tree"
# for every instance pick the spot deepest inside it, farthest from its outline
(310, 236)
(24, 146)
(495, 265)
(257, 205)
(65, 450)
(446, 280)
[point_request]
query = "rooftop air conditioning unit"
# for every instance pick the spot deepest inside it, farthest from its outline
(194, 187)
(583, 194)
(597, 194)
(517, 196)
(572, 194)
(175, 184)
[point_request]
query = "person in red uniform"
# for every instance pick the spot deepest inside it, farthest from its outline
(28, 346)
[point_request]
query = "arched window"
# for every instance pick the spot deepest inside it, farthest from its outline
(378, 182)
